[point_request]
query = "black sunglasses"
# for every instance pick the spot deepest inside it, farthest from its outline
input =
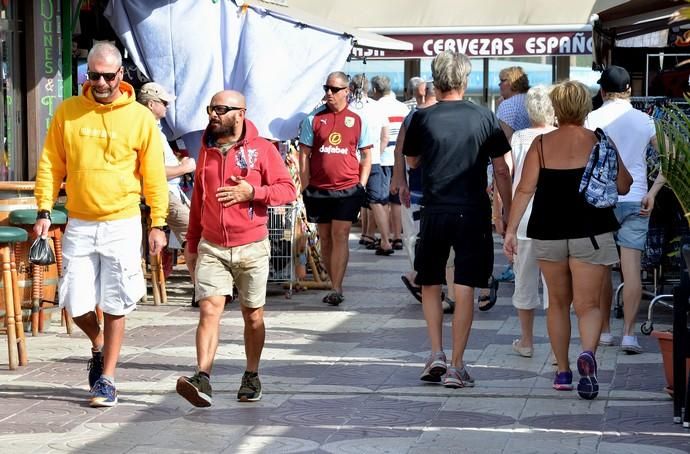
(220, 109)
(108, 77)
(333, 90)
(165, 103)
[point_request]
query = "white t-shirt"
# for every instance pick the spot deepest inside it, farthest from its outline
(520, 142)
(396, 113)
(631, 130)
(372, 112)
(170, 160)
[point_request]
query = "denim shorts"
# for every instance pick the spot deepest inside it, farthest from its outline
(378, 186)
(633, 231)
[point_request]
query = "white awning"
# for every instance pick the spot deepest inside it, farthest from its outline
(453, 16)
(361, 38)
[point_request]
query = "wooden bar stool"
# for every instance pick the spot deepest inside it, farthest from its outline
(26, 219)
(16, 342)
(151, 263)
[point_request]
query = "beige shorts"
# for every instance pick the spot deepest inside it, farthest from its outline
(178, 215)
(599, 251)
(246, 266)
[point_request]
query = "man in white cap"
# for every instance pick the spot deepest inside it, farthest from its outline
(633, 132)
(156, 98)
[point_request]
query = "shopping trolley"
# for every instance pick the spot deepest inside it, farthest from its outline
(281, 234)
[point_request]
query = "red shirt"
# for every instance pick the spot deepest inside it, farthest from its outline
(334, 138)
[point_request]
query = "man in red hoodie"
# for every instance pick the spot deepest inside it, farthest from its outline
(238, 177)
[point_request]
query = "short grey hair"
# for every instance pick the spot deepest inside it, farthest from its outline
(381, 84)
(450, 70)
(539, 107)
(339, 75)
(359, 86)
(430, 89)
(413, 83)
(104, 49)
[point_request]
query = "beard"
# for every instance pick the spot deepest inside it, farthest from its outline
(218, 129)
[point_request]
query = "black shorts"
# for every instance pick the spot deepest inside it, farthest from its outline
(468, 232)
(324, 206)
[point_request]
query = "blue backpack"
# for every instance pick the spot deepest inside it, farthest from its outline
(599, 180)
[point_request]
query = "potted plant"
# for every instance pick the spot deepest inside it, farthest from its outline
(673, 137)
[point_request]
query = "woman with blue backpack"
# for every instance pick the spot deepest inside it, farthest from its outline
(572, 173)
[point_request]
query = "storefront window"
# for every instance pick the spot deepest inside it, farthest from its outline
(475, 85)
(394, 69)
(10, 100)
(581, 69)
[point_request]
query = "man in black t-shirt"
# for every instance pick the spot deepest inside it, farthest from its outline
(455, 140)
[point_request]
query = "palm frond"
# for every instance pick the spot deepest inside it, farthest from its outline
(673, 137)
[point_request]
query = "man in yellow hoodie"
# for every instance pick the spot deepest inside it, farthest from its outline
(108, 148)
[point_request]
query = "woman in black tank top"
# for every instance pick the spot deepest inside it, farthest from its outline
(573, 240)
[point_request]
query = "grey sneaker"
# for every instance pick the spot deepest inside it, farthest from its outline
(630, 345)
(458, 378)
(434, 368)
(196, 389)
(250, 389)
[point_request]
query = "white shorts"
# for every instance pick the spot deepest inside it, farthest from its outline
(101, 266)
(526, 295)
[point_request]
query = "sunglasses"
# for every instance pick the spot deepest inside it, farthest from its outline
(333, 90)
(220, 109)
(108, 77)
(165, 103)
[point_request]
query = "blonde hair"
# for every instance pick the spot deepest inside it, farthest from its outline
(611, 96)
(571, 102)
(517, 78)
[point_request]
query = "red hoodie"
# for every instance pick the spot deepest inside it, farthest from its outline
(245, 222)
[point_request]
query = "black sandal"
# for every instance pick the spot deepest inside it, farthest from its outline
(382, 251)
(334, 298)
(366, 240)
(492, 297)
(374, 245)
(398, 244)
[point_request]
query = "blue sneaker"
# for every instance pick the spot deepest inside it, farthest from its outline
(563, 381)
(103, 394)
(95, 367)
(588, 387)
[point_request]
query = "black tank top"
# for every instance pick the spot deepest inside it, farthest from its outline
(559, 210)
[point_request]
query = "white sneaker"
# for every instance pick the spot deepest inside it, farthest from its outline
(606, 339)
(630, 345)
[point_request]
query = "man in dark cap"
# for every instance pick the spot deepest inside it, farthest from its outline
(633, 132)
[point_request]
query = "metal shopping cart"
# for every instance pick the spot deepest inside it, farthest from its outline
(281, 234)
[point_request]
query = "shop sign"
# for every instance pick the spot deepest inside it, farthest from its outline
(476, 45)
(47, 42)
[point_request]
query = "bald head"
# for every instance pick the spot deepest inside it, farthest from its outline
(104, 52)
(229, 98)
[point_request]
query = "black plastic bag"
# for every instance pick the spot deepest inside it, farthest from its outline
(41, 253)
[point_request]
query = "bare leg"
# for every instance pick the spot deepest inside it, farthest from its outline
(462, 321)
(526, 317)
(396, 221)
(587, 281)
(340, 253)
(379, 214)
(559, 283)
(89, 324)
(632, 290)
(371, 224)
(450, 277)
(433, 314)
(364, 219)
(326, 247)
(208, 330)
(254, 336)
(113, 333)
(605, 301)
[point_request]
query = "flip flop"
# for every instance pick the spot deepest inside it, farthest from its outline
(491, 297)
(382, 251)
(416, 291)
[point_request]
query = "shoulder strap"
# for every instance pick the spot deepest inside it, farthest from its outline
(540, 150)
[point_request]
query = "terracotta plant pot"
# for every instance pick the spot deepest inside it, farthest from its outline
(665, 339)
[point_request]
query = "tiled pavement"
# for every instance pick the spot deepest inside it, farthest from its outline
(336, 379)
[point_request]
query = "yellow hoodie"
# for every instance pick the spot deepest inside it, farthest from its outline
(107, 152)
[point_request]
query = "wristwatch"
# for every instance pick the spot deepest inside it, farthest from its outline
(43, 214)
